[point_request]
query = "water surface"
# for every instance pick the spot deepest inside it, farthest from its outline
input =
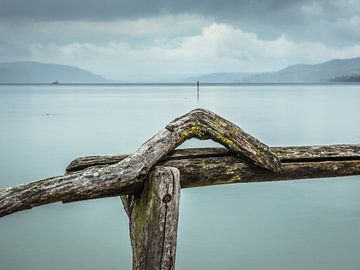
(280, 225)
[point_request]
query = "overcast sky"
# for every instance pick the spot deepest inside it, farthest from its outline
(159, 39)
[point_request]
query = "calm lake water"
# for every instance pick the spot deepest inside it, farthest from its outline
(280, 225)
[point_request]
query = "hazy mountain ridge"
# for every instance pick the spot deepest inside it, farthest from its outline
(35, 72)
(337, 70)
(302, 73)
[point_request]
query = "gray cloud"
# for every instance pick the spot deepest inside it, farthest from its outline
(10, 51)
(116, 9)
(200, 36)
(302, 19)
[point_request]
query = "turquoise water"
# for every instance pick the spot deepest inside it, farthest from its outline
(279, 225)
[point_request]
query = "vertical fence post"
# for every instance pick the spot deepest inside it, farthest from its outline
(153, 216)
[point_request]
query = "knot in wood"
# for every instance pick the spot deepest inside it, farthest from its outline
(166, 198)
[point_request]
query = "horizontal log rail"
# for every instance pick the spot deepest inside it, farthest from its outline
(285, 154)
(212, 166)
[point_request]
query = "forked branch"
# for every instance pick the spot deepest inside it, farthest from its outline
(127, 175)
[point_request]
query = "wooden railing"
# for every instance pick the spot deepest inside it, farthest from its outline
(150, 179)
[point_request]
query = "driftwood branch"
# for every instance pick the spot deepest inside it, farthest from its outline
(153, 216)
(127, 175)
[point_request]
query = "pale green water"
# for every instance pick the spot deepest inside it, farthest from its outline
(280, 226)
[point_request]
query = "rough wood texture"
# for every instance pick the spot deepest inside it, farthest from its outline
(127, 175)
(212, 166)
(203, 124)
(227, 170)
(153, 216)
(285, 154)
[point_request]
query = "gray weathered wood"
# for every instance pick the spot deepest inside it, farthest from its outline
(227, 170)
(285, 154)
(153, 216)
(212, 166)
(127, 175)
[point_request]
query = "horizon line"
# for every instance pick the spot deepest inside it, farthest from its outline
(175, 83)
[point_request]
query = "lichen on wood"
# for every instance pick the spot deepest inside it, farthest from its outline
(212, 166)
(153, 216)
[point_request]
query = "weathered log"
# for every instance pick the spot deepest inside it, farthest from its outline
(203, 124)
(209, 166)
(127, 176)
(153, 216)
(227, 170)
(285, 154)
(212, 166)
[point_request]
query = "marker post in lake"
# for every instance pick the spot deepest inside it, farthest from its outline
(149, 180)
(197, 90)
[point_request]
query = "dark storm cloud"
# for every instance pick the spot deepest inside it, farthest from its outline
(76, 9)
(115, 9)
(313, 20)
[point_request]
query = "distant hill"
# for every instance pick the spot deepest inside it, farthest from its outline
(324, 72)
(34, 72)
(220, 77)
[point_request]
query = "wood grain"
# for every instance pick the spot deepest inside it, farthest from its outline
(153, 215)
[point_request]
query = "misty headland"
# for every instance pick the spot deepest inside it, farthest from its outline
(333, 71)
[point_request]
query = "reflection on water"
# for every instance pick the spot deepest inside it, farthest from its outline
(288, 225)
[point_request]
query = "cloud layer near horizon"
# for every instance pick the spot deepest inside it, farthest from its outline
(173, 39)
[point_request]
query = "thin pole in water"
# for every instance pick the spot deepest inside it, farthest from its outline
(198, 88)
